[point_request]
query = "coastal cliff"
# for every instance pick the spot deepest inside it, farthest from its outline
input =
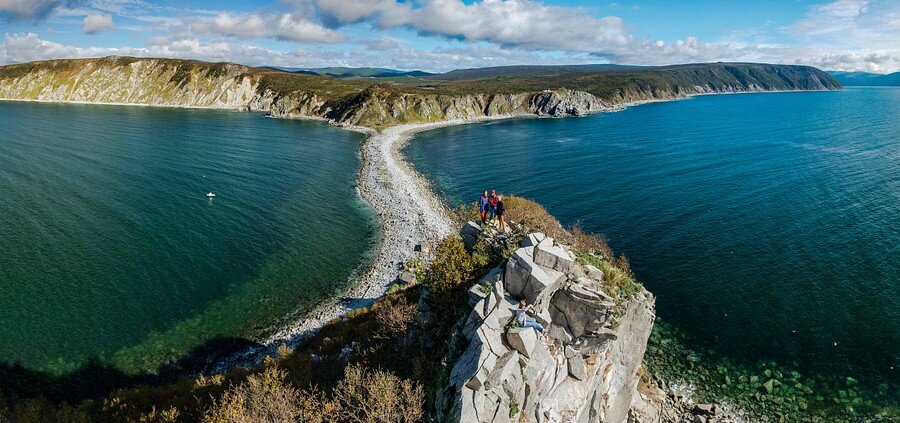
(379, 103)
(583, 368)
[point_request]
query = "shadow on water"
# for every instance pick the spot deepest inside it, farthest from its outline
(96, 379)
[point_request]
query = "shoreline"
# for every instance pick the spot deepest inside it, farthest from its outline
(383, 177)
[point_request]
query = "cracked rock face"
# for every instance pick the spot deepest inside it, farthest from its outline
(579, 370)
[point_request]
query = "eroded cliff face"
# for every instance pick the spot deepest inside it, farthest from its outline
(584, 366)
(166, 82)
(141, 82)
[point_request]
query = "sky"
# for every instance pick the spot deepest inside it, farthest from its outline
(441, 35)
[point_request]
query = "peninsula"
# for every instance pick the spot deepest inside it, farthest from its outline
(487, 371)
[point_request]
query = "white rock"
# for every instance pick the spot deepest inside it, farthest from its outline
(476, 294)
(576, 367)
(553, 257)
(593, 272)
(518, 268)
(522, 340)
(532, 240)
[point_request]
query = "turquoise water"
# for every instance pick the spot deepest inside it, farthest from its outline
(767, 225)
(111, 251)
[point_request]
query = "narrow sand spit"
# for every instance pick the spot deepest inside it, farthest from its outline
(408, 212)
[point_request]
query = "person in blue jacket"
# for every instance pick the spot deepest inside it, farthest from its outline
(483, 206)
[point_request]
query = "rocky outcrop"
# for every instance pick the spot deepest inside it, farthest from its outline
(581, 369)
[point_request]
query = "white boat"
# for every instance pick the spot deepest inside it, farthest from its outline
(210, 195)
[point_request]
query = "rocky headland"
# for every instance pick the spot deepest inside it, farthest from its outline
(583, 368)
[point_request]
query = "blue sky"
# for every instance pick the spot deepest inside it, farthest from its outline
(439, 35)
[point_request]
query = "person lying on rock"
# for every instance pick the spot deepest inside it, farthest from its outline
(483, 206)
(524, 321)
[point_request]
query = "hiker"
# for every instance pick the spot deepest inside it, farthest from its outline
(483, 206)
(492, 205)
(501, 213)
(523, 320)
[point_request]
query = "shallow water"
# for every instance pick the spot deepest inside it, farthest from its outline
(111, 251)
(767, 225)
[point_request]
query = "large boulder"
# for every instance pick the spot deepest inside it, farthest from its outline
(472, 359)
(532, 239)
(522, 340)
(580, 309)
(554, 257)
(518, 270)
(525, 279)
(506, 367)
(470, 233)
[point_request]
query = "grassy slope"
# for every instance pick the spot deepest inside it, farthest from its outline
(607, 84)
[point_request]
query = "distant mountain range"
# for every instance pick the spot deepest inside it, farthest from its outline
(845, 78)
(866, 79)
(458, 74)
(343, 72)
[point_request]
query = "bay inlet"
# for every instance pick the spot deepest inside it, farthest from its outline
(111, 252)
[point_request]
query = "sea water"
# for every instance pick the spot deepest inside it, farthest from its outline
(767, 225)
(111, 253)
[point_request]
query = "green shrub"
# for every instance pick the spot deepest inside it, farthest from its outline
(264, 397)
(394, 317)
(377, 396)
(617, 276)
(452, 266)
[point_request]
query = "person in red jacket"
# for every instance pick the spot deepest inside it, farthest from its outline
(492, 205)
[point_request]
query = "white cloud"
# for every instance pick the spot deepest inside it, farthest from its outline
(514, 23)
(830, 18)
(32, 10)
(876, 61)
(286, 26)
(844, 34)
(381, 43)
(341, 12)
(97, 23)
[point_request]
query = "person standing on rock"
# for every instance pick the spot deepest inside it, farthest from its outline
(483, 206)
(501, 213)
(523, 320)
(492, 205)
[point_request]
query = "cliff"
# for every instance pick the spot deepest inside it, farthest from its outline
(583, 368)
(386, 102)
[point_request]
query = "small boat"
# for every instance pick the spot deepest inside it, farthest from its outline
(210, 195)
